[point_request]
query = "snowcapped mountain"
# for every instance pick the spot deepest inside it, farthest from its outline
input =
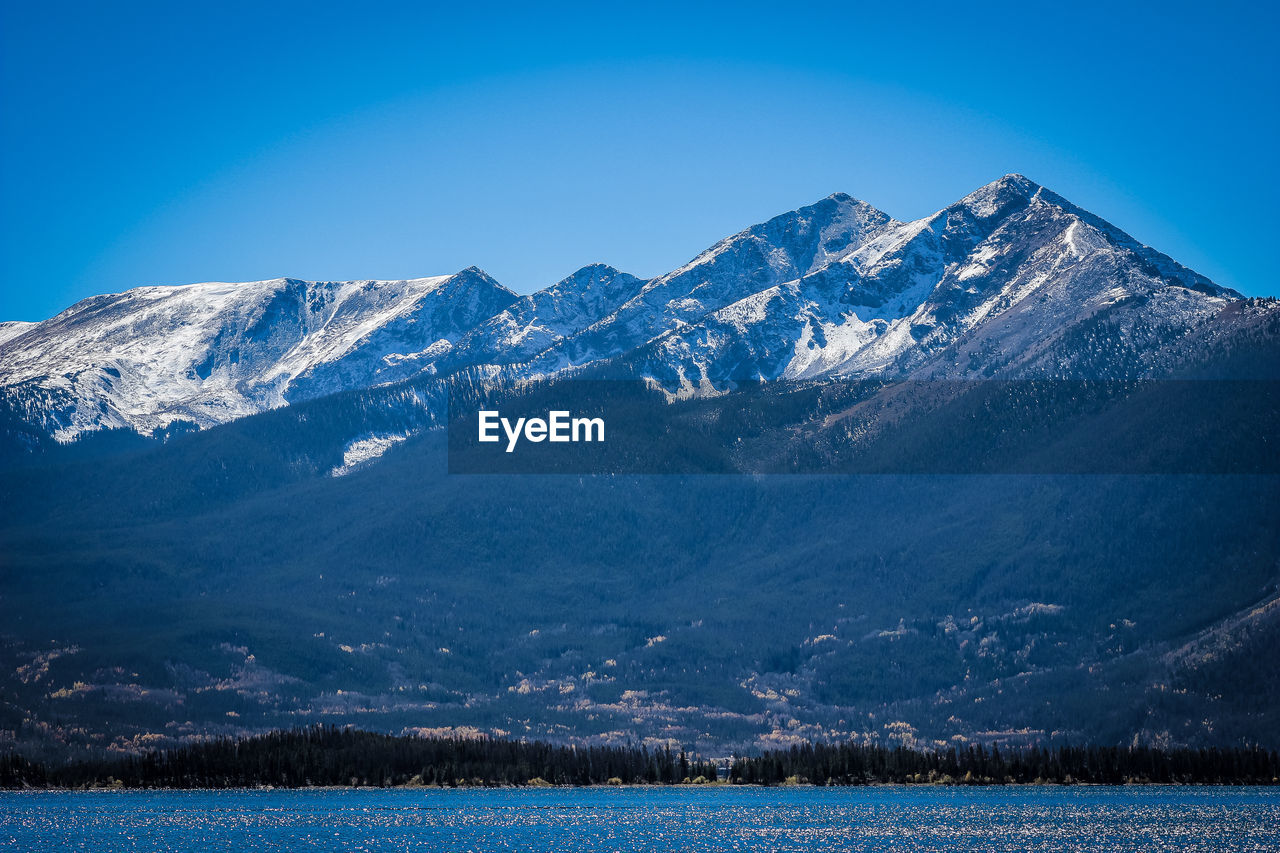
(539, 322)
(782, 249)
(989, 284)
(208, 353)
(1012, 280)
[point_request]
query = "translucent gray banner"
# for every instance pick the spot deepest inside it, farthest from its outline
(911, 427)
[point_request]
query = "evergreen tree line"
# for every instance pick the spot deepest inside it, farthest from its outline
(327, 756)
(324, 755)
(848, 764)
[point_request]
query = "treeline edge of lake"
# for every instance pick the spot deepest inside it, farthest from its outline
(324, 756)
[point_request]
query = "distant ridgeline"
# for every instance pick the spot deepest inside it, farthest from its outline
(326, 756)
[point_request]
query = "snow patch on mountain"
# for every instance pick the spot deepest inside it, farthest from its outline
(361, 451)
(13, 328)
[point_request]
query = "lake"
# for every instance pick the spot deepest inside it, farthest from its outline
(1182, 819)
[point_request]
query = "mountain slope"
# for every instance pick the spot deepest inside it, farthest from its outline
(223, 582)
(208, 353)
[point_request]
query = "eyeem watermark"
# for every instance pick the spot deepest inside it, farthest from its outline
(557, 426)
(1050, 426)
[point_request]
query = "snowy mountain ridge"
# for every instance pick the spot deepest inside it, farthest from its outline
(211, 352)
(1000, 283)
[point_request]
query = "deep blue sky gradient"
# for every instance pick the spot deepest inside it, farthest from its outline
(164, 143)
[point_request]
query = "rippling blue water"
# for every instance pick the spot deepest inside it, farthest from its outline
(660, 819)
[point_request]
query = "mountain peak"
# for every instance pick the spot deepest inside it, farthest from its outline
(473, 276)
(1017, 179)
(592, 271)
(590, 277)
(999, 196)
(592, 282)
(845, 200)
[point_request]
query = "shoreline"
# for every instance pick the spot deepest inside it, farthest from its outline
(351, 758)
(1275, 783)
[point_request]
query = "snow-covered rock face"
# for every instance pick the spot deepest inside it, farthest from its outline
(533, 324)
(208, 353)
(1011, 280)
(13, 329)
(776, 251)
(988, 285)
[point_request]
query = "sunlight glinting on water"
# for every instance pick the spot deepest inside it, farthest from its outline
(887, 819)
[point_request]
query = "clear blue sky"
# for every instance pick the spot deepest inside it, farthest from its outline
(175, 142)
